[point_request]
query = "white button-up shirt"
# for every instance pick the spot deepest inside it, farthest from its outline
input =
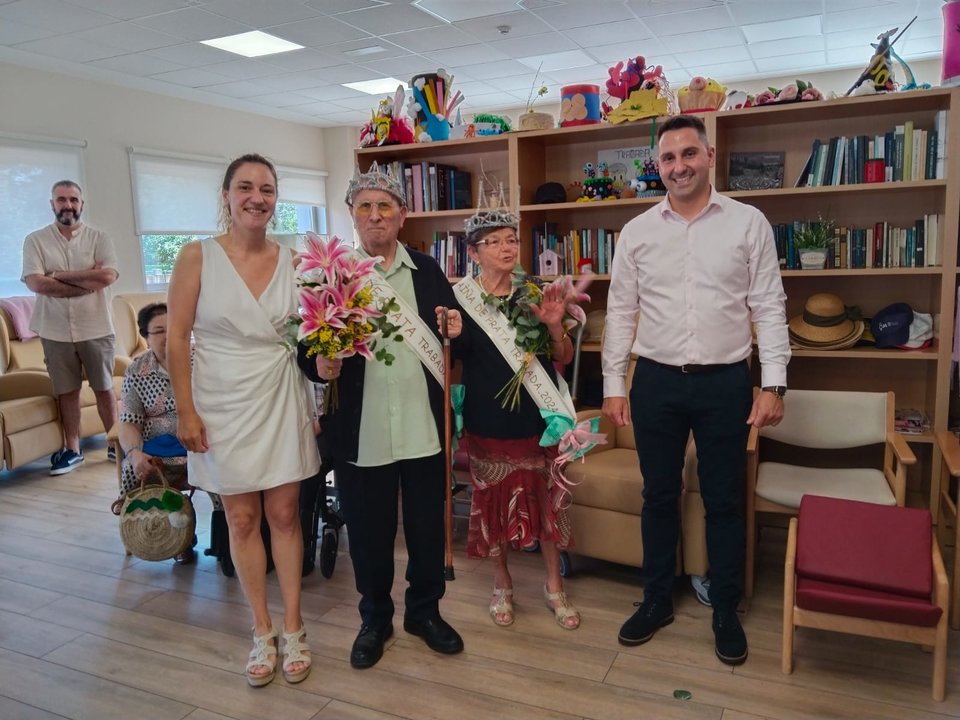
(684, 292)
(71, 319)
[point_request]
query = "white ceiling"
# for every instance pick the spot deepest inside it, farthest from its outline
(154, 45)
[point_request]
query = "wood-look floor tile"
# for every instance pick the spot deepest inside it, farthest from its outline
(337, 710)
(13, 710)
(31, 636)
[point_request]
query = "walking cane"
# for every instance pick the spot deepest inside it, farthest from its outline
(447, 452)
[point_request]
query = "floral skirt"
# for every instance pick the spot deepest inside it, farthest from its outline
(515, 500)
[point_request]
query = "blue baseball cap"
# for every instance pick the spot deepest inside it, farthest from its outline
(891, 325)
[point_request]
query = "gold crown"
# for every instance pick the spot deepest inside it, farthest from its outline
(375, 179)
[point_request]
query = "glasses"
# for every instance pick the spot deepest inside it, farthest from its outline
(384, 208)
(499, 242)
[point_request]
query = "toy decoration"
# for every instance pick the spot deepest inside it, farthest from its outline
(701, 95)
(487, 124)
(580, 105)
(879, 71)
(598, 185)
(431, 105)
(642, 89)
(793, 92)
(648, 182)
(950, 74)
(387, 126)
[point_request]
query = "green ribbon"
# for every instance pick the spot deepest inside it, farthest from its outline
(457, 394)
(170, 502)
(558, 425)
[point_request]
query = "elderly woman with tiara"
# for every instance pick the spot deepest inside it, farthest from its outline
(519, 495)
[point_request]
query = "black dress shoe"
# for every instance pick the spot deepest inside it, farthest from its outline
(368, 647)
(437, 633)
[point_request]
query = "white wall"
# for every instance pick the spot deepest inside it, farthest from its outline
(339, 144)
(111, 118)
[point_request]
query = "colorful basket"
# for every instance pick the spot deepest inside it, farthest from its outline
(157, 522)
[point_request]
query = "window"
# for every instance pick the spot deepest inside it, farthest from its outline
(28, 169)
(177, 198)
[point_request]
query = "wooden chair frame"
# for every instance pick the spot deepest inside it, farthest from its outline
(896, 456)
(794, 617)
(948, 531)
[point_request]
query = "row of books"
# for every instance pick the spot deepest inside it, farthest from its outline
(879, 246)
(566, 254)
(449, 249)
(906, 153)
(432, 186)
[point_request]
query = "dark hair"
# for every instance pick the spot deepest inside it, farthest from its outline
(148, 313)
(65, 183)
(679, 122)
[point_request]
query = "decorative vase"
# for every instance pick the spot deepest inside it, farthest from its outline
(531, 120)
(813, 258)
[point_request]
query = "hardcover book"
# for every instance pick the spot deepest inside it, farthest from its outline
(755, 171)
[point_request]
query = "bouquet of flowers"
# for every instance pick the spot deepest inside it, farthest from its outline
(533, 338)
(338, 316)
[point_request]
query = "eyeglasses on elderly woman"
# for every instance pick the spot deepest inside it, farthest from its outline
(509, 242)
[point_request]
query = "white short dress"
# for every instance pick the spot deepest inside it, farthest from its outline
(254, 401)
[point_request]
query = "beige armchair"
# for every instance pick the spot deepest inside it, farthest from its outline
(29, 418)
(18, 355)
(831, 443)
(608, 499)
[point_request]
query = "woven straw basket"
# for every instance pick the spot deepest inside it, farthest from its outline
(151, 525)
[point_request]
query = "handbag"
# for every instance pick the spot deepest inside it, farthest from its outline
(157, 522)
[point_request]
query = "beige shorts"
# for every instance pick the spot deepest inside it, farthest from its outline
(68, 363)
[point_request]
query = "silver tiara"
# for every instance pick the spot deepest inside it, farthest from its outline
(375, 179)
(491, 217)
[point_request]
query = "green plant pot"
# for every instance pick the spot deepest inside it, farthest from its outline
(813, 258)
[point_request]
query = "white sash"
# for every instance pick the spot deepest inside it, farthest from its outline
(536, 381)
(418, 338)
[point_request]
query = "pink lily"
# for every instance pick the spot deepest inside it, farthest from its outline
(322, 256)
(352, 267)
(319, 310)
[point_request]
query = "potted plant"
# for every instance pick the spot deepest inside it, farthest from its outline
(814, 243)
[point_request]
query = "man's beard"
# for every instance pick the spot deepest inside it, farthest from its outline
(68, 217)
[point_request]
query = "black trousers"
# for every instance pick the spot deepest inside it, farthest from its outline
(369, 499)
(665, 405)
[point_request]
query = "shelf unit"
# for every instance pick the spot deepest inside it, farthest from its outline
(920, 379)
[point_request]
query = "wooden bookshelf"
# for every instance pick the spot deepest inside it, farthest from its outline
(523, 161)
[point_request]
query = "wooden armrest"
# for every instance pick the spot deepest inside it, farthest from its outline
(901, 449)
(950, 447)
(753, 439)
(24, 384)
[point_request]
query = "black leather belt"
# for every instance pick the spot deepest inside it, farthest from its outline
(690, 368)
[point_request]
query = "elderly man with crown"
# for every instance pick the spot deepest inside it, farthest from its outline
(517, 413)
(388, 431)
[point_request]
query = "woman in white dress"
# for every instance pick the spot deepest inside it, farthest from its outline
(244, 409)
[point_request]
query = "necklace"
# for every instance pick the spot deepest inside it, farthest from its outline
(490, 292)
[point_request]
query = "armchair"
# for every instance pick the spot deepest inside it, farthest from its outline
(832, 443)
(948, 530)
(866, 569)
(608, 500)
(29, 418)
(124, 308)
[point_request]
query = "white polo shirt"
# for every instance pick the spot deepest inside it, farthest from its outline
(72, 319)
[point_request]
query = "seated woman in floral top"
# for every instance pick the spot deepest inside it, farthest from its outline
(148, 412)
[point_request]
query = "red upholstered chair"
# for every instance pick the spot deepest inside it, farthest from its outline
(866, 569)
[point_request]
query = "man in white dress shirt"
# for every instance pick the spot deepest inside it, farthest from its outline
(688, 277)
(69, 266)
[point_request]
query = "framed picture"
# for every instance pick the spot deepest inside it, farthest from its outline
(755, 171)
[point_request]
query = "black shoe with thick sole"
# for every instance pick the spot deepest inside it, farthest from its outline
(651, 615)
(437, 633)
(731, 641)
(368, 647)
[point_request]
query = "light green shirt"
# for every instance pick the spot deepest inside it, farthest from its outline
(396, 422)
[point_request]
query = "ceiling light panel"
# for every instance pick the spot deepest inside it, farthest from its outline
(380, 86)
(253, 44)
